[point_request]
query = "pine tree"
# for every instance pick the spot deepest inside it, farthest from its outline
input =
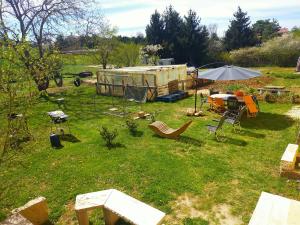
(239, 33)
(171, 37)
(265, 29)
(155, 29)
(194, 40)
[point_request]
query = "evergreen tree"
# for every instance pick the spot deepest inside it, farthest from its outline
(155, 29)
(265, 29)
(194, 40)
(239, 33)
(171, 36)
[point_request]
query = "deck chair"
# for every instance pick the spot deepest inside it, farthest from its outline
(233, 105)
(216, 129)
(218, 105)
(163, 130)
(235, 120)
(251, 106)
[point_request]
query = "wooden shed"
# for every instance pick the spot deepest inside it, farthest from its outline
(160, 80)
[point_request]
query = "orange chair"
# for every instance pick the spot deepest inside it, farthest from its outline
(210, 102)
(218, 104)
(251, 106)
(239, 93)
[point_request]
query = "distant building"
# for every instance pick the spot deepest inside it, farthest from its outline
(283, 30)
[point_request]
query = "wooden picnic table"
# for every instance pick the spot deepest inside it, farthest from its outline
(273, 89)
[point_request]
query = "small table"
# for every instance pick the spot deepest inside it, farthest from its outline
(58, 117)
(275, 210)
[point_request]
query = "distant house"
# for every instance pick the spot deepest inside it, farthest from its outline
(283, 30)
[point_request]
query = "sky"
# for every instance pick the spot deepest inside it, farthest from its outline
(132, 16)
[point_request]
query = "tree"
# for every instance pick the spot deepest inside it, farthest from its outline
(37, 22)
(265, 29)
(105, 45)
(155, 29)
(126, 54)
(239, 33)
(194, 40)
(215, 44)
(171, 35)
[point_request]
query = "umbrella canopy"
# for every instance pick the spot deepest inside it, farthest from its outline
(228, 73)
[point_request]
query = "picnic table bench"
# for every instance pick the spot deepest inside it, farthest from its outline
(273, 89)
(275, 210)
(116, 205)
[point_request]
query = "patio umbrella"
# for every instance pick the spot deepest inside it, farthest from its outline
(228, 73)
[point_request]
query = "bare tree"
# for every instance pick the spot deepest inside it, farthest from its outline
(36, 20)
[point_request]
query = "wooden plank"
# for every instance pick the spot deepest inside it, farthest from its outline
(91, 200)
(290, 153)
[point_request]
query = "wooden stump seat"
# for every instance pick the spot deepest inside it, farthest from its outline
(289, 162)
(163, 130)
(275, 210)
(116, 205)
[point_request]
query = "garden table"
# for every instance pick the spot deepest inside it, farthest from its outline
(222, 96)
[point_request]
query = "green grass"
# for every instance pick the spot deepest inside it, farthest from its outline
(152, 169)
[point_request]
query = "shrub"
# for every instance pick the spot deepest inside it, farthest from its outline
(234, 87)
(270, 98)
(108, 136)
(279, 51)
(132, 126)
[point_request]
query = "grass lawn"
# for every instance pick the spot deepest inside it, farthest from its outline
(158, 171)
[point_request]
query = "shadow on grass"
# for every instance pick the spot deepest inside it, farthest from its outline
(268, 121)
(234, 141)
(251, 134)
(69, 138)
(190, 140)
(115, 145)
(137, 133)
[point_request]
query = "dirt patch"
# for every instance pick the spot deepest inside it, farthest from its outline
(189, 206)
(254, 83)
(294, 113)
(69, 216)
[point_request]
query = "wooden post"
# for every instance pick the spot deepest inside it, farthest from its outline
(110, 218)
(82, 217)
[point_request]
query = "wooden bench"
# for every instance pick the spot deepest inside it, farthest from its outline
(116, 205)
(289, 162)
(34, 212)
(275, 210)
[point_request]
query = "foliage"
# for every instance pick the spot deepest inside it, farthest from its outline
(108, 136)
(183, 39)
(197, 221)
(132, 126)
(155, 30)
(265, 29)
(280, 51)
(239, 33)
(16, 93)
(194, 40)
(126, 55)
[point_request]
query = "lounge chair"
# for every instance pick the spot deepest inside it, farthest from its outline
(216, 129)
(162, 129)
(235, 119)
(233, 105)
(251, 106)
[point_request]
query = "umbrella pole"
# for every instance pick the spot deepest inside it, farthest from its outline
(196, 89)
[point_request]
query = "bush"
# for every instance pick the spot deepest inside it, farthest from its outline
(132, 126)
(279, 51)
(108, 136)
(235, 87)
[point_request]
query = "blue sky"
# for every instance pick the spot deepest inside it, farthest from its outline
(132, 16)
